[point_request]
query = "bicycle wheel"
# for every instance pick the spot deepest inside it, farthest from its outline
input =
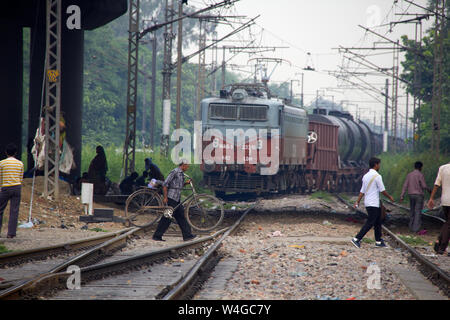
(143, 207)
(204, 212)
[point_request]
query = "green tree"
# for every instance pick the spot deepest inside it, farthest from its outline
(424, 65)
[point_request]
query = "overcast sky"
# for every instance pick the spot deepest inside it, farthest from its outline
(317, 27)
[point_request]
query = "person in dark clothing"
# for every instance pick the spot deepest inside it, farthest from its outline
(97, 171)
(76, 189)
(172, 187)
(127, 185)
(153, 170)
(140, 182)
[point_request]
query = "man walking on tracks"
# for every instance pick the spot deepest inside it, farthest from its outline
(11, 176)
(172, 187)
(443, 181)
(415, 184)
(372, 185)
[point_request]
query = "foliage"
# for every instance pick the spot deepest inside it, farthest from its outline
(395, 167)
(96, 229)
(114, 158)
(414, 241)
(321, 195)
(3, 249)
(424, 86)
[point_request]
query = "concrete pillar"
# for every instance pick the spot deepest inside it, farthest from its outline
(72, 61)
(37, 61)
(11, 76)
(72, 51)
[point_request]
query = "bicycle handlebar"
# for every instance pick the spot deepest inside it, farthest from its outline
(190, 182)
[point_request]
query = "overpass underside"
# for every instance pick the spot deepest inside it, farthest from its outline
(18, 14)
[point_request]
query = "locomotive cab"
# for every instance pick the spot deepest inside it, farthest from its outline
(251, 141)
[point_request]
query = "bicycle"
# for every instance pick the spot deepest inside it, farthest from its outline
(145, 206)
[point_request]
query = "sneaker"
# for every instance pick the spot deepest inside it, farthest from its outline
(158, 238)
(356, 243)
(380, 244)
(190, 237)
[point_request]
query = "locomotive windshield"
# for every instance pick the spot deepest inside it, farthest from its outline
(238, 112)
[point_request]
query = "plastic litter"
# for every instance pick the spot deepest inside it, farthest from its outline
(350, 219)
(277, 234)
(297, 246)
(327, 223)
(327, 298)
(28, 224)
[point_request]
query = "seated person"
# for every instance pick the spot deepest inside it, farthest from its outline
(76, 189)
(140, 182)
(127, 185)
(154, 172)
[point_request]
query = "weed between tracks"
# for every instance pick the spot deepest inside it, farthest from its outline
(322, 195)
(3, 249)
(98, 230)
(414, 241)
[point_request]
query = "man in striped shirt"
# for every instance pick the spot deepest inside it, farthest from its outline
(11, 175)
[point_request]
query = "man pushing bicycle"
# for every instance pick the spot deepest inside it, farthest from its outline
(172, 187)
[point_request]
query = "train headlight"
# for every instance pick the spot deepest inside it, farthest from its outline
(215, 143)
(259, 145)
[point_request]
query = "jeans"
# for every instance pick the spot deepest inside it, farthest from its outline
(416, 206)
(11, 194)
(374, 220)
(178, 214)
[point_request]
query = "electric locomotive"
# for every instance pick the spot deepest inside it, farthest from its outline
(253, 142)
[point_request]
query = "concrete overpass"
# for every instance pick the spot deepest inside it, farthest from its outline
(14, 16)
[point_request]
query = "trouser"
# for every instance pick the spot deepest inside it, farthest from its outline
(445, 230)
(178, 214)
(11, 194)
(416, 206)
(374, 220)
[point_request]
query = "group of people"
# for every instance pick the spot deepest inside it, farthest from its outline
(133, 181)
(414, 185)
(12, 170)
(98, 168)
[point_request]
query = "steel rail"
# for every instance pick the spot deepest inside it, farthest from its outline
(16, 257)
(93, 254)
(183, 286)
(57, 279)
(441, 274)
(423, 213)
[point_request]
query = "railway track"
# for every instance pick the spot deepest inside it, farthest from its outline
(35, 254)
(438, 276)
(54, 281)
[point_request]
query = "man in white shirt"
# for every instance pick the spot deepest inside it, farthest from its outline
(372, 185)
(443, 181)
